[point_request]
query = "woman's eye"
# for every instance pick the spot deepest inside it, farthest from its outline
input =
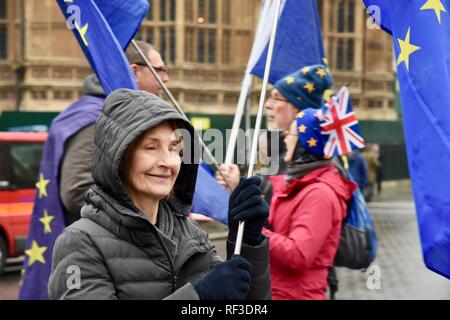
(176, 148)
(150, 147)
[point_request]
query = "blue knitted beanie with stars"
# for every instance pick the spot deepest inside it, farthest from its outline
(305, 88)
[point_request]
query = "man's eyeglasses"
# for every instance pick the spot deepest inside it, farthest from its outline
(277, 99)
(157, 69)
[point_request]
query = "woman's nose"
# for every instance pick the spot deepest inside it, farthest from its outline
(167, 159)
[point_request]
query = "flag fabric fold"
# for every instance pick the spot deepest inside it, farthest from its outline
(420, 32)
(47, 219)
(298, 41)
(210, 198)
(104, 29)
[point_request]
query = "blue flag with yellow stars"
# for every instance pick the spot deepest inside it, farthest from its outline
(420, 32)
(104, 28)
(47, 220)
(298, 40)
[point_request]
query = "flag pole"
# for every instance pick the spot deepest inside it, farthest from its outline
(254, 149)
(178, 108)
(244, 92)
(237, 118)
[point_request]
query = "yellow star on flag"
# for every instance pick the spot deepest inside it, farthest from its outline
(321, 72)
(406, 49)
(305, 70)
(327, 94)
(435, 5)
(35, 253)
(302, 128)
(309, 86)
(46, 219)
(290, 80)
(301, 114)
(82, 31)
(42, 186)
(312, 142)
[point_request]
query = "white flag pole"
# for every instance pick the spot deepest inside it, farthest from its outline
(237, 118)
(254, 149)
(246, 83)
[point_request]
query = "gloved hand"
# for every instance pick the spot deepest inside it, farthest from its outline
(246, 204)
(228, 280)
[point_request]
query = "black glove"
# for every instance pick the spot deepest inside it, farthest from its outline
(246, 204)
(228, 280)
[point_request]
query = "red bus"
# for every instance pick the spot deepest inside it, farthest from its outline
(20, 156)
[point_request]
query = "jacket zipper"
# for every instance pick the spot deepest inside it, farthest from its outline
(172, 268)
(166, 251)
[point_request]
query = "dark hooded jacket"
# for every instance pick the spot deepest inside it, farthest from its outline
(117, 252)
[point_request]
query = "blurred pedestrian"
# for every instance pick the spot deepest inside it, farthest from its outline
(357, 166)
(372, 167)
(380, 158)
(135, 239)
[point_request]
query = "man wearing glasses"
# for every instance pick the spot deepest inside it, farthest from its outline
(144, 77)
(75, 172)
(303, 89)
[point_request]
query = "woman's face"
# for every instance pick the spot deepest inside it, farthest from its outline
(152, 163)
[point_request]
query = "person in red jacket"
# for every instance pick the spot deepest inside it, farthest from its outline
(307, 210)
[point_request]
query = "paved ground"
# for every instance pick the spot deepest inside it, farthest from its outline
(399, 263)
(9, 281)
(402, 273)
(397, 273)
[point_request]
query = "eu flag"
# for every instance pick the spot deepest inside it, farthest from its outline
(298, 41)
(420, 32)
(210, 198)
(104, 28)
(99, 19)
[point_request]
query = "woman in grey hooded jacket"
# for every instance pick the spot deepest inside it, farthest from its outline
(135, 239)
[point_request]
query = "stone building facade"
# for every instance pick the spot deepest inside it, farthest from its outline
(205, 43)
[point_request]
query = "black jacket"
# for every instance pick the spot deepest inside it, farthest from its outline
(119, 253)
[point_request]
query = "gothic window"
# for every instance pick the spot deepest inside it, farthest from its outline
(3, 30)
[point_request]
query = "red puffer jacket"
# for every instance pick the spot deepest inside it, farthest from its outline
(306, 216)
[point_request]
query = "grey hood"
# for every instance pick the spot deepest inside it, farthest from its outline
(125, 116)
(93, 87)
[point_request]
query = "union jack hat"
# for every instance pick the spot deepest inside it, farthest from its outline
(332, 130)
